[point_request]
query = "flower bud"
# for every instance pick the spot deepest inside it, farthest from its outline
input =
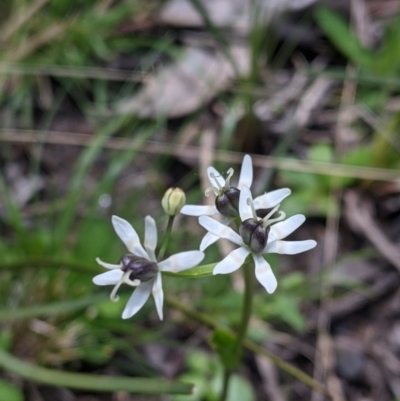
(254, 235)
(227, 203)
(173, 201)
(142, 269)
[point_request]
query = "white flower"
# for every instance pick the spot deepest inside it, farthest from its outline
(274, 243)
(142, 263)
(221, 186)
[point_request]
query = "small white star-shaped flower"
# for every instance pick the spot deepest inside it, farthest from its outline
(140, 268)
(274, 243)
(221, 186)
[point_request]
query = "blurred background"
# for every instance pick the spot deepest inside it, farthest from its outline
(104, 104)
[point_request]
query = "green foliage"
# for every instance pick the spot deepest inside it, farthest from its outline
(286, 308)
(226, 347)
(338, 31)
(385, 61)
(92, 240)
(310, 192)
(207, 375)
(10, 392)
(386, 144)
(85, 32)
(5, 339)
(283, 306)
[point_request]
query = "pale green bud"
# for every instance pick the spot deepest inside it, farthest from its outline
(173, 201)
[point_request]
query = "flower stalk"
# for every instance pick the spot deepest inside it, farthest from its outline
(248, 276)
(166, 238)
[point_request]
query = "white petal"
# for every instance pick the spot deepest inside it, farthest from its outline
(271, 199)
(271, 238)
(108, 278)
(203, 210)
(232, 262)
(181, 261)
(128, 236)
(150, 237)
(226, 220)
(208, 240)
(158, 295)
(246, 173)
(108, 265)
(212, 171)
(286, 227)
(218, 229)
(245, 210)
(290, 247)
(265, 274)
(137, 299)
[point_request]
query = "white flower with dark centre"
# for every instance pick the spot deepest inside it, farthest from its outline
(257, 237)
(139, 268)
(227, 197)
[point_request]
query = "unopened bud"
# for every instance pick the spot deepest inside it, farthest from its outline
(142, 269)
(227, 203)
(254, 235)
(173, 201)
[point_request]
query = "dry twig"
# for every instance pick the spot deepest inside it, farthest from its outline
(359, 216)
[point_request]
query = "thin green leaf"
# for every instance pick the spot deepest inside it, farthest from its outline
(91, 382)
(339, 33)
(50, 309)
(196, 272)
(10, 392)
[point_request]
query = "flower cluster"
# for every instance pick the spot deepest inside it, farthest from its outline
(227, 198)
(255, 236)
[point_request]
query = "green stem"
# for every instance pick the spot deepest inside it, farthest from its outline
(225, 386)
(248, 276)
(220, 39)
(83, 381)
(166, 238)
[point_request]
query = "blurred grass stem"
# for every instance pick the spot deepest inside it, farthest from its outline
(16, 22)
(85, 381)
(225, 384)
(248, 276)
(66, 71)
(192, 152)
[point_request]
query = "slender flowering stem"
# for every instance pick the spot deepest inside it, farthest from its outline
(225, 385)
(248, 276)
(166, 238)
